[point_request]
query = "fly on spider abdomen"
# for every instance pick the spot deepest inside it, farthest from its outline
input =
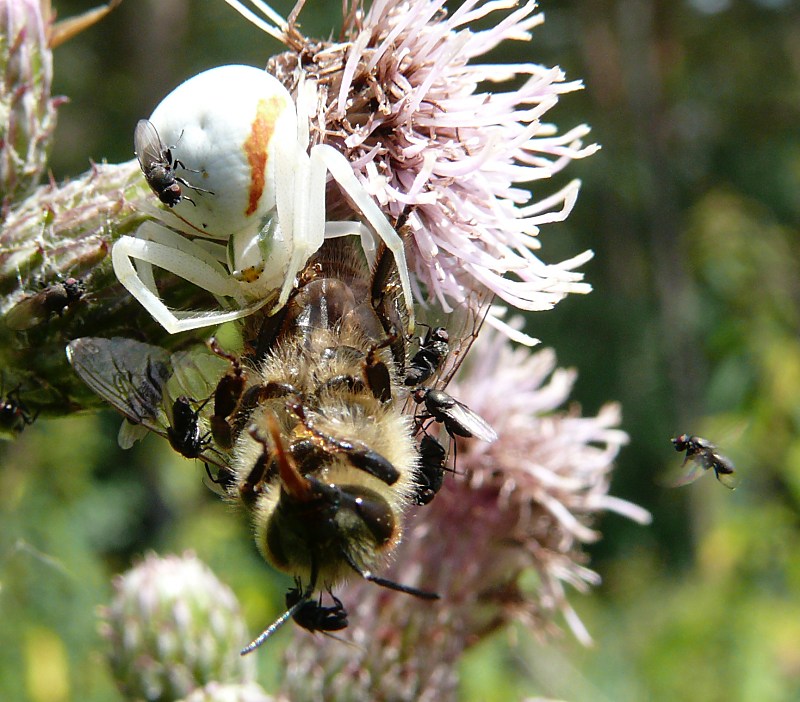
(158, 166)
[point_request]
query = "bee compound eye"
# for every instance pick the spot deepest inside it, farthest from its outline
(376, 514)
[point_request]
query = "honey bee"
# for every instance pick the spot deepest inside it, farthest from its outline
(309, 427)
(327, 506)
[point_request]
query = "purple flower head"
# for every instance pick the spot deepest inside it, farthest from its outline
(523, 505)
(446, 153)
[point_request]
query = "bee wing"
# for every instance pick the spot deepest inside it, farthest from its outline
(128, 374)
(27, 313)
(147, 144)
(472, 422)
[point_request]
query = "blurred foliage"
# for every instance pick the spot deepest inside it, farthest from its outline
(692, 210)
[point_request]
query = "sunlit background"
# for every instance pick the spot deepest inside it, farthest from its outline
(692, 208)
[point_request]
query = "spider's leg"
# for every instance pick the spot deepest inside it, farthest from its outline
(188, 262)
(325, 156)
(276, 26)
(300, 200)
(152, 231)
(368, 244)
(207, 251)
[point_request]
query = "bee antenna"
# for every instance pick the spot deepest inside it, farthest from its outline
(389, 584)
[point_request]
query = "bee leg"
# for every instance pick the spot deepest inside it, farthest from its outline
(358, 454)
(376, 372)
(302, 597)
(251, 487)
(389, 584)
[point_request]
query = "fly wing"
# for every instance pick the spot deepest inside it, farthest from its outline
(147, 145)
(27, 313)
(142, 381)
(463, 325)
(695, 469)
(196, 373)
(729, 480)
(127, 373)
(472, 422)
(129, 433)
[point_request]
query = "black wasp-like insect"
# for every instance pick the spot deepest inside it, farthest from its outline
(431, 469)
(133, 377)
(432, 351)
(14, 415)
(158, 166)
(184, 433)
(703, 456)
(312, 615)
(455, 416)
(39, 307)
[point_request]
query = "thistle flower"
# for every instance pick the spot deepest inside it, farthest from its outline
(172, 628)
(524, 503)
(27, 113)
(217, 692)
(401, 99)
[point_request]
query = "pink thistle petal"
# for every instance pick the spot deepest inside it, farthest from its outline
(402, 96)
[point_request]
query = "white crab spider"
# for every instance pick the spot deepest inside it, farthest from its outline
(242, 138)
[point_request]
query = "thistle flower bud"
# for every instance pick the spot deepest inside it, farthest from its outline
(27, 113)
(172, 628)
(217, 692)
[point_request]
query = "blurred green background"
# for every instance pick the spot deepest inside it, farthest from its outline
(692, 209)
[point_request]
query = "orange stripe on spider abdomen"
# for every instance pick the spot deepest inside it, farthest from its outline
(257, 145)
